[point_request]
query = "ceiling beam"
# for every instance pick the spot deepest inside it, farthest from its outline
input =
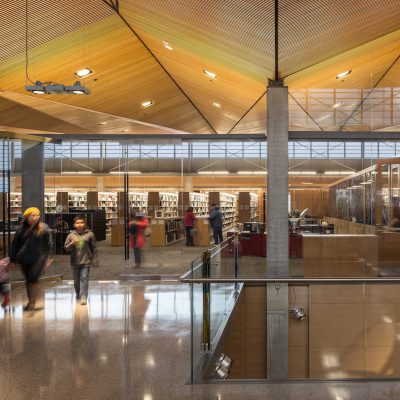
(343, 136)
(22, 136)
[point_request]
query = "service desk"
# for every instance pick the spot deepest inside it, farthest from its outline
(255, 244)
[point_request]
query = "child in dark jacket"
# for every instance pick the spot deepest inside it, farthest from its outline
(4, 281)
(81, 243)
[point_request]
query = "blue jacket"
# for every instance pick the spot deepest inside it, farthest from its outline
(215, 218)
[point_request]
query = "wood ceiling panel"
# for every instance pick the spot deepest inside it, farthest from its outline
(233, 33)
(255, 121)
(368, 64)
(235, 92)
(46, 21)
(316, 30)
(232, 37)
(125, 75)
(236, 32)
(14, 115)
(83, 120)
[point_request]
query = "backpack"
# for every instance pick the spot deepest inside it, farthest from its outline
(133, 229)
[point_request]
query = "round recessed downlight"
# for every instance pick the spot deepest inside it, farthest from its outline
(83, 72)
(167, 45)
(210, 74)
(147, 103)
(215, 104)
(343, 74)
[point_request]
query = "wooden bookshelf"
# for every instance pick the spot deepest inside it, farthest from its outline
(135, 200)
(62, 199)
(77, 201)
(50, 202)
(166, 231)
(106, 201)
(248, 207)
(203, 234)
(199, 202)
(15, 205)
(228, 206)
(163, 204)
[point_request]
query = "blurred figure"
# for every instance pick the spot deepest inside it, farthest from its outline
(189, 222)
(215, 218)
(4, 281)
(137, 225)
(34, 377)
(30, 248)
(81, 243)
(139, 306)
(60, 223)
(84, 348)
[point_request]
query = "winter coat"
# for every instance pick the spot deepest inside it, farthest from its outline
(83, 252)
(136, 239)
(27, 247)
(189, 219)
(215, 218)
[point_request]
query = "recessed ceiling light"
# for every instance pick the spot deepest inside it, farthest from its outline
(338, 172)
(336, 105)
(210, 74)
(103, 123)
(38, 92)
(146, 104)
(215, 104)
(167, 45)
(83, 72)
(343, 74)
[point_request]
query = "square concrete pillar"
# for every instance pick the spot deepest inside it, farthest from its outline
(32, 171)
(277, 230)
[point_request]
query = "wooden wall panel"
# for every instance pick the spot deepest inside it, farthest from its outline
(354, 331)
(307, 198)
(336, 323)
(298, 333)
(235, 341)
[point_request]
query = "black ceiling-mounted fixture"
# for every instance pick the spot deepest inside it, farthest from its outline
(47, 87)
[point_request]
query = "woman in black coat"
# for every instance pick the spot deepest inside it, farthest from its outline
(30, 248)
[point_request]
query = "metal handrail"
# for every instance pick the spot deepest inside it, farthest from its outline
(184, 279)
(192, 271)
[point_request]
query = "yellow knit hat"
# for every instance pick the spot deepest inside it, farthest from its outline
(31, 210)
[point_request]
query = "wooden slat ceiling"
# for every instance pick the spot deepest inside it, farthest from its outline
(29, 112)
(46, 21)
(318, 39)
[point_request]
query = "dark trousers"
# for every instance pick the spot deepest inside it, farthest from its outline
(217, 232)
(189, 237)
(32, 272)
(137, 254)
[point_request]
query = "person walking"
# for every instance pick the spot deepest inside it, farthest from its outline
(189, 222)
(31, 247)
(5, 281)
(81, 243)
(137, 226)
(215, 218)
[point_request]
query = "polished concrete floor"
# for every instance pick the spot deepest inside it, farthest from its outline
(130, 342)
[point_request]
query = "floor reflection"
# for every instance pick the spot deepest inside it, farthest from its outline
(130, 342)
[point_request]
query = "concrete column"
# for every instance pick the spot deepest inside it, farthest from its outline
(277, 181)
(187, 184)
(277, 229)
(32, 171)
(100, 184)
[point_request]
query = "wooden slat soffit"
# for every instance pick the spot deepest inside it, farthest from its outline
(230, 37)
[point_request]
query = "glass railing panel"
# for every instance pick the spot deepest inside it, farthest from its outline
(337, 330)
(198, 347)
